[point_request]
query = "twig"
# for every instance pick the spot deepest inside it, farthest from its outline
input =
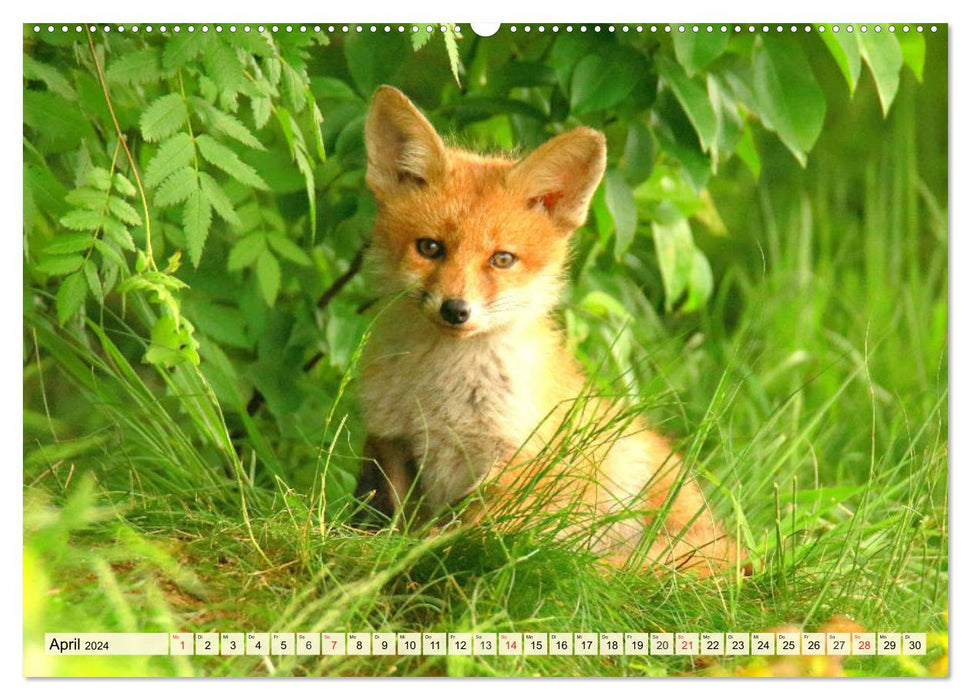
(342, 281)
(124, 144)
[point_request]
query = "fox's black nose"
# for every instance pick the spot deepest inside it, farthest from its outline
(455, 311)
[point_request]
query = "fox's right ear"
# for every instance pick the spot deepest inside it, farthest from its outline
(403, 148)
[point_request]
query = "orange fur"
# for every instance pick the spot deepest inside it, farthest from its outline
(475, 403)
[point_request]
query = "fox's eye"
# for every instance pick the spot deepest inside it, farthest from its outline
(429, 248)
(503, 260)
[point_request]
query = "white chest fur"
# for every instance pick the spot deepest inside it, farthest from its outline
(462, 403)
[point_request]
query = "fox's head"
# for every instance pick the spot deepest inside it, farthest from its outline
(475, 243)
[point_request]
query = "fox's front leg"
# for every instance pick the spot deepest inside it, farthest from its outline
(388, 471)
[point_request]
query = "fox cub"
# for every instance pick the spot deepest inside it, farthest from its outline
(465, 379)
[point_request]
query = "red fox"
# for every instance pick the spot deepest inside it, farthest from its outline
(465, 379)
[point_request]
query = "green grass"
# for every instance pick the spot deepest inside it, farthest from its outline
(811, 396)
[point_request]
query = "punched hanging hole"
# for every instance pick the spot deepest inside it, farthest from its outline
(485, 28)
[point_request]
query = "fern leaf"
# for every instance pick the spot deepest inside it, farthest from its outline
(222, 64)
(177, 187)
(179, 50)
(268, 275)
(117, 232)
(86, 198)
(196, 220)
(421, 37)
(82, 220)
(137, 67)
(227, 161)
(246, 251)
(124, 186)
(288, 249)
(228, 124)
(50, 76)
(70, 296)
(94, 281)
(99, 178)
(69, 243)
(59, 264)
(163, 117)
(261, 110)
(175, 153)
(124, 211)
(452, 48)
(220, 202)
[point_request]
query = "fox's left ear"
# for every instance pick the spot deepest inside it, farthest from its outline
(403, 148)
(561, 175)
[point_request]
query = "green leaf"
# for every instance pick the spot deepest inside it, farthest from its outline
(220, 202)
(620, 204)
(59, 264)
(746, 151)
(452, 49)
(695, 50)
(196, 220)
(675, 252)
(99, 178)
(227, 124)
(316, 119)
(372, 63)
(50, 76)
(262, 108)
(329, 88)
(109, 251)
(288, 249)
(223, 322)
(602, 304)
(293, 85)
(603, 81)
(124, 211)
(693, 98)
(118, 233)
(882, 53)
(268, 275)
(421, 37)
(246, 251)
(567, 52)
(520, 74)
(700, 284)
(171, 345)
(69, 243)
(163, 117)
(846, 53)
(123, 185)
(70, 296)
(82, 220)
(913, 48)
(222, 64)
(637, 161)
(227, 161)
(87, 198)
(93, 280)
(175, 153)
(730, 121)
(61, 123)
(177, 187)
(180, 49)
(135, 67)
(791, 103)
